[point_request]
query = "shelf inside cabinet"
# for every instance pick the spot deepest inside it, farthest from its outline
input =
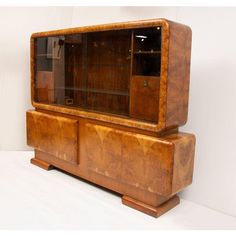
(90, 90)
(44, 55)
(102, 65)
(147, 64)
(147, 52)
(103, 110)
(147, 40)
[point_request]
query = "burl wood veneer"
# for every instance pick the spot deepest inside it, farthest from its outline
(108, 103)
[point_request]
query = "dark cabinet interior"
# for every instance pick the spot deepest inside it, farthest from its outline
(115, 72)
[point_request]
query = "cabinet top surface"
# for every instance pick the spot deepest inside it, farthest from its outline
(105, 27)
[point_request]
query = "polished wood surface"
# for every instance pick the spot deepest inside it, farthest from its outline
(144, 94)
(138, 160)
(143, 157)
(183, 164)
(146, 168)
(178, 74)
(53, 134)
(42, 164)
(123, 156)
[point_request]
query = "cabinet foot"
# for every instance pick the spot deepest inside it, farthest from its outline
(41, 164)
(151, 210)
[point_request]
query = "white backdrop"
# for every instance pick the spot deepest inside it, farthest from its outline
(17, 24)
(212, 90)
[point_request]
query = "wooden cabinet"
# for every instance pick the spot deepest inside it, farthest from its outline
(108, 103)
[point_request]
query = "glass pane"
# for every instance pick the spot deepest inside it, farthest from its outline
(147, 40)
(92, 71)
(148, 65)
(147, 52)
(89, 70)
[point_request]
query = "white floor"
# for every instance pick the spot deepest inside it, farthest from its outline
(32, 198)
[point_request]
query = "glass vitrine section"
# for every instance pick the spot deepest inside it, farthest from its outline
(92, 71)
(147, 51)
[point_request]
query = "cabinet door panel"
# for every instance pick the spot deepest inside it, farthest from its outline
(158, 165)
(55, 135)
(134, 159)
(144, 98)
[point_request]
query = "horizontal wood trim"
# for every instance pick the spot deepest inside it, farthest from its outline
(144, 125)
(103, 27)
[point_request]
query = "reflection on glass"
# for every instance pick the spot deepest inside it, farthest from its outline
(147, 52)
(92, 70)
(147, 40)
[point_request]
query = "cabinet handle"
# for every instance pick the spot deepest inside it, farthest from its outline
(145, 83)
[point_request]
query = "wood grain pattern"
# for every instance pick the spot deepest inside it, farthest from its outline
(178, 74)
(52, 134)
(183, 160)
(104, 27)
(144, 98)
(149, 164)
(139, 160)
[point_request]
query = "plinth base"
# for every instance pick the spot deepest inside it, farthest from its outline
(151, 210)
(42, 164)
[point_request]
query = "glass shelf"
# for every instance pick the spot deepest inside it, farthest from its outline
(147, 52)
(105, 65)
(44, 55)
(103, 91)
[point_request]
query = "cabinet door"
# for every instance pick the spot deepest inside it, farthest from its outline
(144, 98)
(54, 135)
(158, 165)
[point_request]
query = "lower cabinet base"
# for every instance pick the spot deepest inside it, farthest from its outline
(42, 164)
(148, 171)
(151, 210)
(154, 211)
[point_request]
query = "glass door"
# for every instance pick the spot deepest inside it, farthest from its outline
(89, 71)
